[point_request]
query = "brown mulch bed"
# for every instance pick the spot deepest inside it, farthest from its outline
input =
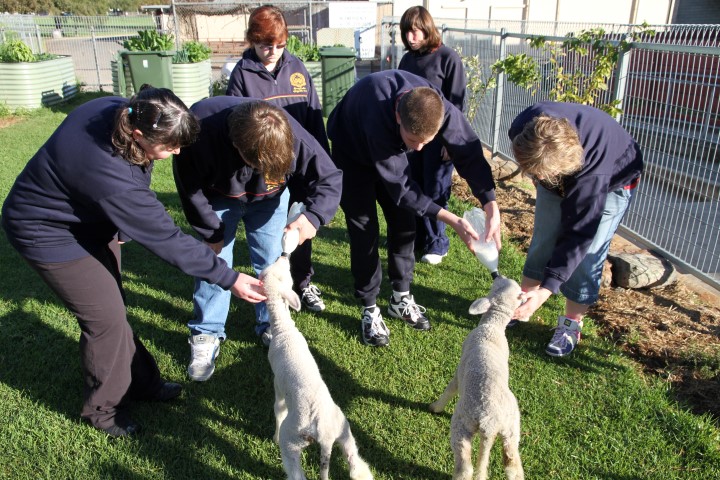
(673, 332)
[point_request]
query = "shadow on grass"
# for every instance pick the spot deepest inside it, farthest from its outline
(44, 363)
(346, 390)
(77, 100)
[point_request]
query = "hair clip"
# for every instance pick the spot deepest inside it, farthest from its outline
(129, 110)
(157, 120)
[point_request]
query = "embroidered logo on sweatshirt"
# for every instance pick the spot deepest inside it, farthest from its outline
(297, 80)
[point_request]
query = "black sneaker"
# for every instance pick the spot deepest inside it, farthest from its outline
(310, 297)
(374, 331)
(411, 312)
(126, 429)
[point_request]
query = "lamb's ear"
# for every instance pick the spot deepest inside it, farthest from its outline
(292, 299)
(479, 306)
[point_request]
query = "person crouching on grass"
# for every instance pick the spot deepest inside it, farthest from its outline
(90, 180)
(585, 167)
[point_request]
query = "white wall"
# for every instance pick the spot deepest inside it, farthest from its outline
(221, 27)
(605, 11)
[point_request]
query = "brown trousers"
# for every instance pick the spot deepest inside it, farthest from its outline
(116, 366)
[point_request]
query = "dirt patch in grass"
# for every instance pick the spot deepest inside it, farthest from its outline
(673, 332)
(7, 121)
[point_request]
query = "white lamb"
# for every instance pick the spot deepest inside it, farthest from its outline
(304, 410)
(486, 404)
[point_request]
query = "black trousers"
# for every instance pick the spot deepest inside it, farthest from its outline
(434, 175)
(362, 192)
(116, 366)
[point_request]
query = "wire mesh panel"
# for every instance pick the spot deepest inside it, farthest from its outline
(667, 89)
(672, 109)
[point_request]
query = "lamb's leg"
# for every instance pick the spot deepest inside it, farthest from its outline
(511, 457)
(450, 391)
(325, 453)
(291, 447)
(280, 413)
(359, 470)
(461, 444)
(483, 459)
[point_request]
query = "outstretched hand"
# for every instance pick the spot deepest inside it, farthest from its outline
(249, 289)
(532, 300)
(461, 226)
(466, 232)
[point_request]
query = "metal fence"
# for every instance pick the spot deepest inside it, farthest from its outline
(668, 88)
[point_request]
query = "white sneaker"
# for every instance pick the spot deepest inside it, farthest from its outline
(374, 331)
(409, 311)
(433, 258)
(204, 349)
(565, 339)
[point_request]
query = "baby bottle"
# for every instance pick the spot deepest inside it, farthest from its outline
(486, 252)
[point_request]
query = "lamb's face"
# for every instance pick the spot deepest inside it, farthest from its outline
(504, 291)
(277, 283)
(276, 278)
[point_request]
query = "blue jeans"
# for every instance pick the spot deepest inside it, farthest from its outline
(583, 285)
(264, 223)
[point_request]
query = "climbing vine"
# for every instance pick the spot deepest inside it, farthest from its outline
(598, 52)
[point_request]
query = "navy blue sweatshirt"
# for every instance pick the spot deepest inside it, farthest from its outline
(289, 86)
(612, 161)
(75, 194)
(364, 123)
(213, 167)
(443, 68)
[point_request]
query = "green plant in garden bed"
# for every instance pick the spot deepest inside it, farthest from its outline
(192, 52)
(305, 52)
(150, 41)
(17, 51)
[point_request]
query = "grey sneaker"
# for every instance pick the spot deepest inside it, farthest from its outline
(310, 297)
(565, 339)
(266, 336)
(204, 349)
(374, 331)
(408, 310)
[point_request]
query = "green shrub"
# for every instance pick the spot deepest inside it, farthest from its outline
(192, 52)
(305, 52)
(150, 41)
(17, 51)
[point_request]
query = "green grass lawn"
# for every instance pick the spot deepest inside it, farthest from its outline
(590, 416)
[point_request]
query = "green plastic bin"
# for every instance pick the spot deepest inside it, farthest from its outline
(338, 75)
(154, 68)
